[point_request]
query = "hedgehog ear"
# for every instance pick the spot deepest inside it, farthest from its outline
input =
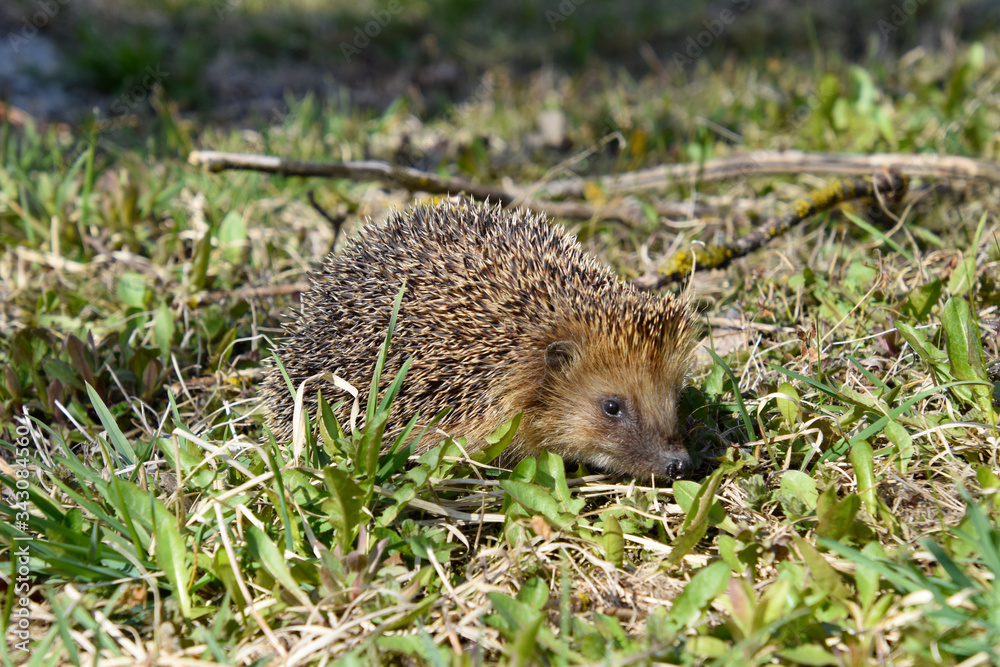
(560, 355)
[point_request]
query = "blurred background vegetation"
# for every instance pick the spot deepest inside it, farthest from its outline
(228, 59)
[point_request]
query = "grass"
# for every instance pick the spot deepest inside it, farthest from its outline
(847, 508)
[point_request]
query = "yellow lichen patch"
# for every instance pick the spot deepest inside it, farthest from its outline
(679, 263)
(713, 256)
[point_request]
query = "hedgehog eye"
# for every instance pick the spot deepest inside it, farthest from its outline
(612, 407)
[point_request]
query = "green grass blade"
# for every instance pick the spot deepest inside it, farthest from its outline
(747, 421)
(171, 554)
(382, 356)
(118, 440)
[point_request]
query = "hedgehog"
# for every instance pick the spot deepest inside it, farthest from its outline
(502, 313)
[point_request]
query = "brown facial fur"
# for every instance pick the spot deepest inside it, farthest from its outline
(488, 293)
(612, 360)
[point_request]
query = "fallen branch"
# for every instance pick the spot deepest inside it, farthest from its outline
(251, 293)
(888, 183)
(887, 187)
(362, 170)
(779, 162)
(415, 180)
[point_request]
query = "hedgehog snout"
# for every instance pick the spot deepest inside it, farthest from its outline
(676, 463)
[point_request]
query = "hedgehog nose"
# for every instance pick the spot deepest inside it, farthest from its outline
(677, 465)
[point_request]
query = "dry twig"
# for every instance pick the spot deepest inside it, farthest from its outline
(887, 182)
(251, 292)
(781, 162)
(891, 186)
(415, 180)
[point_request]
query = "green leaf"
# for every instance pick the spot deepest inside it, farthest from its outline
(538, 500)
(827, 580)
(948, 564)
(880, 235)
(867, 580)
(343, 506)
(921, 300)
(788, 407)
(713, 382)
(265, 552)
(281, 504)
(706, 646)
(696, 522)
(707, 584)
(685, 492)
(224, 570)
(199, 263)
(171, 554)
(826, 389)
(916, 340)
(905, 582)
(884, 389)
(163, 329)
(420, 645)
(796, 484)
(880, 423)
(534, 593)
(512, 613)
(835, 518)
(369, 447)
(962, 279)
(987, 478)
(329, 429)
(498, 440)
(809, 654)
(406, 621)
(395, 386)
(965, 353)
(232, 237)
(985, 536)
(551, 473)
(395, 459)
(134, 503)
(132, 290)
(862, 459)
(863, 400)
(727, 546)
(525, 470)
(903, 443)
(60, 370)
(965, 350)
(614, 541)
